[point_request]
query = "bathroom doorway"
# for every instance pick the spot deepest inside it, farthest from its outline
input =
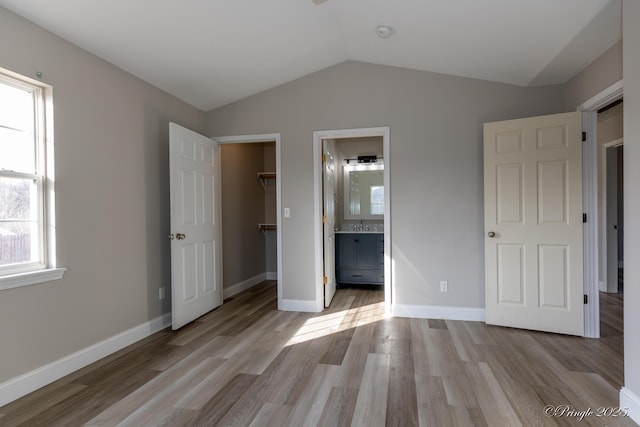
(355, 208)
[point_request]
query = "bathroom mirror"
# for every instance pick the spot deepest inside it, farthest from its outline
(364, 191)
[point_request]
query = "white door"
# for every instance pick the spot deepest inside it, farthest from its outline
(196, 258)
(533, 223)
(329, 219)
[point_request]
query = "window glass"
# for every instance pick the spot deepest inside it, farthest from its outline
(377, 200)
(17, 125)
(19, 231)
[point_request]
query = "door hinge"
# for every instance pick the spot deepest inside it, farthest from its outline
(324, 158)
(586, 299)
(584, 136)
(584, 218)
(325, 279)
(324, 219)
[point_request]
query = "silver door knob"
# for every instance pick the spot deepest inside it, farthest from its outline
(491, 234)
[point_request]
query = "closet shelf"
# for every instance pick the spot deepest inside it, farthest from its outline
(267, 227)
(264, 176)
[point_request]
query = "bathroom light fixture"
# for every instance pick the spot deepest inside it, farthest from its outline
(383, 31)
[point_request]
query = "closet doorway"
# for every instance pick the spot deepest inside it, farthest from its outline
(251, 211)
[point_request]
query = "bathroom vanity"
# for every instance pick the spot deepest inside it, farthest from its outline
(360, 257)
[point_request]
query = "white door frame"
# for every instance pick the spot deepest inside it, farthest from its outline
(266, 137)
(318, 239)
(590, 202)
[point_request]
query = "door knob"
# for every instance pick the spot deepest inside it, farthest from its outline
(171, 236)
(491, 234)
(180, 236)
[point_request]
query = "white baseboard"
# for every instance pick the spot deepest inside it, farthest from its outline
(438, 312)
(298, 305)
(602, 287)
(38, 378)
(244, 285)
(272, 275)
(631, 401)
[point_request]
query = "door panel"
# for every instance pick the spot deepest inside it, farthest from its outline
(329, 211)
(533, 223)
(196, 272)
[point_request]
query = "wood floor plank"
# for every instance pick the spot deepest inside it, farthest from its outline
(309, 406)
(433, 408)
(371, 406)
(216, 408)
(402, 403)
(339, 409)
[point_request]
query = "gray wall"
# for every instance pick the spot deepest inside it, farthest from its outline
(112, 202)
(631, 31)
(597, 76)
(436, 166)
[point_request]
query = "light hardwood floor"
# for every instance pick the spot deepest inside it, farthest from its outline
(248, 364)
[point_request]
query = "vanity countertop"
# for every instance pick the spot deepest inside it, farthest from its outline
(359, 232)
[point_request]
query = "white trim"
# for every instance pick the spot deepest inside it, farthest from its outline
(603, 98)
(31, 278)
(631, 401)
(602, 286)
(267, 137)
(306, 306)
(37, 378)
(272, 275)
(590, 249)
(614, 143)
(244, 285)
(439, 312)
(590, 201)
(318, 241)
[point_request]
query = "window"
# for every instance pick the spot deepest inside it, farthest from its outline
(26, 242)
(377, 200)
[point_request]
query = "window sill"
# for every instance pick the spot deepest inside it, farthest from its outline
(31, 278)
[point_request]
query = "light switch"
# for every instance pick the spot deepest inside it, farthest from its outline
(444, 286)
(287, 213)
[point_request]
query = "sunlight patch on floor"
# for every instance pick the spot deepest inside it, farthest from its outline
(327, 324)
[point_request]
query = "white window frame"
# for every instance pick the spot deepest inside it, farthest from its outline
(44, 269)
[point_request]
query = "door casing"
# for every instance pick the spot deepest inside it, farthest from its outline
(590, 203)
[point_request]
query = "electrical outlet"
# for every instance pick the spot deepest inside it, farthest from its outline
(444, 286)
(161, 294)
(287, 212)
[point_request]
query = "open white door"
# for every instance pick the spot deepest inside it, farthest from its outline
(329, 219)
(533, 223)
(196, 258)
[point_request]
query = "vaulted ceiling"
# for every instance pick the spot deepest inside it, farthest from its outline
(213, 52)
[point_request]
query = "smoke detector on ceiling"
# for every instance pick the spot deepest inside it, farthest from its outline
(383, 31)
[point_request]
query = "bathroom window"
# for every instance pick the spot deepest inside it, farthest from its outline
(377, 200)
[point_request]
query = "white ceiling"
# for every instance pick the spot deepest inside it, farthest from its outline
(213, 52)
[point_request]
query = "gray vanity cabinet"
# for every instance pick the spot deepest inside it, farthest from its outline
(360, 258)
